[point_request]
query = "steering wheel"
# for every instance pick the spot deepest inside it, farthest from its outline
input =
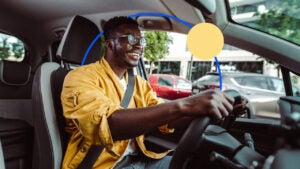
(189, 142)
(191, 139)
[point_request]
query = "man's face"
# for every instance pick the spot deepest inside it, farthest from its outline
(127, 55)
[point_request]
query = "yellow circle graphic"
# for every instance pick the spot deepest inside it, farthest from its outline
(205, 41)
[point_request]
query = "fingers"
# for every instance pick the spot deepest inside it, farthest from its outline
(211, 102)
(230, 99)
(221, 105)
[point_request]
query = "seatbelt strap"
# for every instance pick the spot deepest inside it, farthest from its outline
(94, 152)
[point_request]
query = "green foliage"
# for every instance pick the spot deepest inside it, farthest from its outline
(4, 49)
(282, 20)
(18, 49)
(294, 80)
(157, 46)
(8, 49)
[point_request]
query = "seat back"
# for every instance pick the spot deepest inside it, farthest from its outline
(51, 140)
(15, 80)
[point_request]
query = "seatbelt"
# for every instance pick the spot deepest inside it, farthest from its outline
(95, 151)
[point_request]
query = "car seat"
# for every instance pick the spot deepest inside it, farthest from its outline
(50, 138)
(16, 131)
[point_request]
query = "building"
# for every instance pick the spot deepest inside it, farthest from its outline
(182, 63)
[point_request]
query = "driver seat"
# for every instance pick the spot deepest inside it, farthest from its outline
(50, 137)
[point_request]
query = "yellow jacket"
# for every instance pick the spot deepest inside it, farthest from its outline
(90, 95)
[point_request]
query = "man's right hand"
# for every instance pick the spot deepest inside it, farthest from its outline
(211, 102)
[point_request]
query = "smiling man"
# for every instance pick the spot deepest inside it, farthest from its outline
(91, 100)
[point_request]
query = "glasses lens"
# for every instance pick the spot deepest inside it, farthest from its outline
(132, 40)
(143, 41)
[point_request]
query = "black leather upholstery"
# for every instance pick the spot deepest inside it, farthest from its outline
(49, 121)
(14, 73)
(15, 80)
(81, 32)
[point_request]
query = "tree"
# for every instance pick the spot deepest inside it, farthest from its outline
(18, 49)
(157, 46)
(4, 49)
(281, 20)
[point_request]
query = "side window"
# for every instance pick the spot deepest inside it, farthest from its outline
(277, 85)
(165, 81)
(184, 85)
(257, 82)
(239, 80)
(296, 84)
(11, 48)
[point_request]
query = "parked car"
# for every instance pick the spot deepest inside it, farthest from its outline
(261, 91)
(170, 86)
(31, 131)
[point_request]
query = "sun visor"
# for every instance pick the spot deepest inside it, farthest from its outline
(154, 23)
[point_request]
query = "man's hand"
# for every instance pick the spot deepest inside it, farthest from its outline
(211, 102)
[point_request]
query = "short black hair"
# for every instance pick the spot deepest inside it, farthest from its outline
(112, 25)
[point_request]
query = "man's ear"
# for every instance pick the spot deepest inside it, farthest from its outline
(109, 44)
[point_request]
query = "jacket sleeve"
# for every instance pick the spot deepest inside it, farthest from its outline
(151, 99)
(86, 104)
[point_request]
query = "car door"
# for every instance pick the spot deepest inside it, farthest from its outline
(183, 88)
(165, 87)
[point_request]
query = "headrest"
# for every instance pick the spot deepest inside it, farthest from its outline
(78, 36)
(14, 73)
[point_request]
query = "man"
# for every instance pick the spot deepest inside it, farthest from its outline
(91, 100)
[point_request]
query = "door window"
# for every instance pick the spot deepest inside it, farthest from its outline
(183, 85)
(11, 48)
(165, 81)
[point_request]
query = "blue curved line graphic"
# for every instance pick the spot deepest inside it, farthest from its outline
(151, 14)
(90, 47)
(219, 72)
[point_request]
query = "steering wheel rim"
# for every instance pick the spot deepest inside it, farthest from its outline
(190, 138)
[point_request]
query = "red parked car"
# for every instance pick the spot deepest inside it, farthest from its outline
(170, 86)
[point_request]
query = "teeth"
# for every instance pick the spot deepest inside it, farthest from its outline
(135, 54)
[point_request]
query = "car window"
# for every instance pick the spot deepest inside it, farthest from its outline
(232, 61)
(295, 80)
(211, 78)
(11, 48)
(255, 82)
(165, 81)
(182, 84)
(278, 18)
(277, 85)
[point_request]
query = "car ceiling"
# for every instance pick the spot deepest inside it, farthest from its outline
(40, 22)
(54, 11)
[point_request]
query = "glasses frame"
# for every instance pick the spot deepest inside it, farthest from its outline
(133, 40)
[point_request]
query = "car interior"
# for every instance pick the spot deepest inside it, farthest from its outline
(60, 35)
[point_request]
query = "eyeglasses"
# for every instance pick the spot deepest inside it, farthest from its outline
(133, 40)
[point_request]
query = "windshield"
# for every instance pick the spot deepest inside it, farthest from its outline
(276, 17)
